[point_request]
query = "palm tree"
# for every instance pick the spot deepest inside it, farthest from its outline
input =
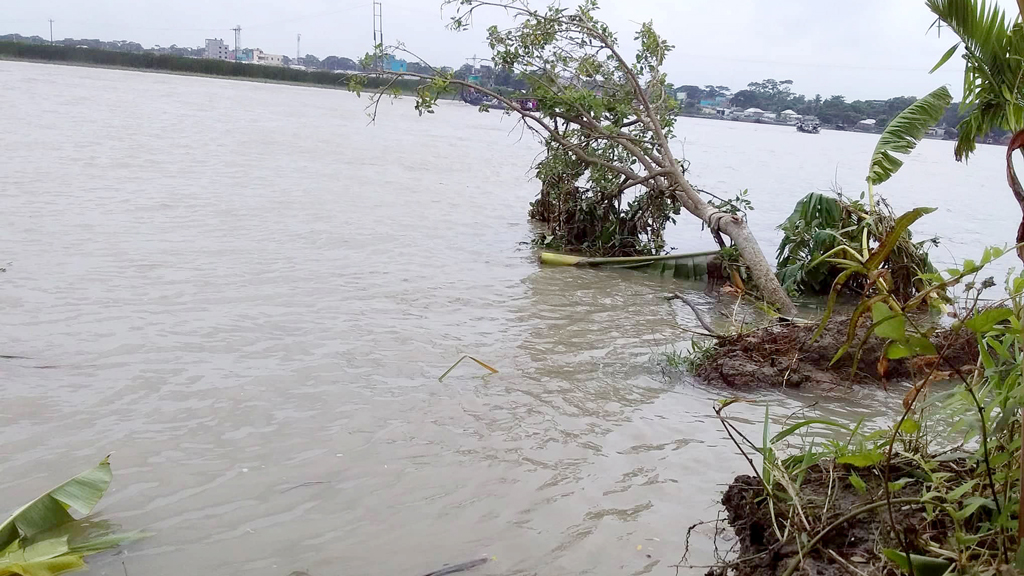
(993, 48)
(993, 95)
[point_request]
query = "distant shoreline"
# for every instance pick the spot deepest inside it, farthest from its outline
(6, 58)
(199, 67)
(340, 86)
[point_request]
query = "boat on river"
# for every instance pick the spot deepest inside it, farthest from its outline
(808, 127)
(693, 266)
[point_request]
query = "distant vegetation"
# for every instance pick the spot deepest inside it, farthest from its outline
(777, 95)
(171, 63)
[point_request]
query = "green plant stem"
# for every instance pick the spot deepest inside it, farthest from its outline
(981, 411)
(892, 442)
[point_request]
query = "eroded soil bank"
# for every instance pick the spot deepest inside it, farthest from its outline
(783, 356)
(852, 546)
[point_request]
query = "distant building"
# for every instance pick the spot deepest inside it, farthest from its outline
(717, 102)
(789, 116)
(271, 59)
(393, 64)
(866, 125)
(217, 49)
(257, 56)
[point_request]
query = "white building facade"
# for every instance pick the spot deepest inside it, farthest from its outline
(270, 59)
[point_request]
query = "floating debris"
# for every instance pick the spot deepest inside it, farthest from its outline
(457, 362)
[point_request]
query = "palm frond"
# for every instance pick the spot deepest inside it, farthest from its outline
(904, 132)
(980, 24)
(993, 72)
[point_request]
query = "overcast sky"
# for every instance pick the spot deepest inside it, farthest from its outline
(864, 50)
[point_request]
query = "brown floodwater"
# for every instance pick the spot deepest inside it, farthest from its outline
(247, 294)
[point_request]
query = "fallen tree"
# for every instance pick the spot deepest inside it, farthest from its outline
(613, 115)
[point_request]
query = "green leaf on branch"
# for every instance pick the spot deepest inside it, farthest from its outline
(985, 321)
(945, 58)
(890, 325)
(895, 351)
(910, 426)
(921, 346)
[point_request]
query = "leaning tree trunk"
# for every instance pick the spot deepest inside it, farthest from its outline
(736, 228)
(1016, 143)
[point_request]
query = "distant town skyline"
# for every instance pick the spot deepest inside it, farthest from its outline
(869, 50)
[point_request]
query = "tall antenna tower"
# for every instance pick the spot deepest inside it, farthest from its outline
(298, 48)
(238, 38)
(51, 31)
(378, 35)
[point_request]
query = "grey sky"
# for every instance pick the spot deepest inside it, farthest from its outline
(865, 49)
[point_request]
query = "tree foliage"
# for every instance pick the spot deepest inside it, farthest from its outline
(777, 95)
(606, 118)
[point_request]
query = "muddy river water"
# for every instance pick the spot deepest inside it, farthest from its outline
(247, 294)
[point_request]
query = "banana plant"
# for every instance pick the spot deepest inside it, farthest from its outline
(870, 265)
(42, 538)
(902, 135)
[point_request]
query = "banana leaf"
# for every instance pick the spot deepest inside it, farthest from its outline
(904, 132)
(42, 538)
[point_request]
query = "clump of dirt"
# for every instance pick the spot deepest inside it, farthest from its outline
(826, 495)
(782, 356)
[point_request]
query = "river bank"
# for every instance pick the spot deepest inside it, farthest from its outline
(177, 65)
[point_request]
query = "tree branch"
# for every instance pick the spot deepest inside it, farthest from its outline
(510, 104)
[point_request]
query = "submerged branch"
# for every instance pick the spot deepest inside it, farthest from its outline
(704, 323)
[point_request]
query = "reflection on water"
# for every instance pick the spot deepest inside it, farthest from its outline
(248, 294)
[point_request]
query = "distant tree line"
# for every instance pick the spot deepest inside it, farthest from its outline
(113, 45)
(172, 63)
(777, 95)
